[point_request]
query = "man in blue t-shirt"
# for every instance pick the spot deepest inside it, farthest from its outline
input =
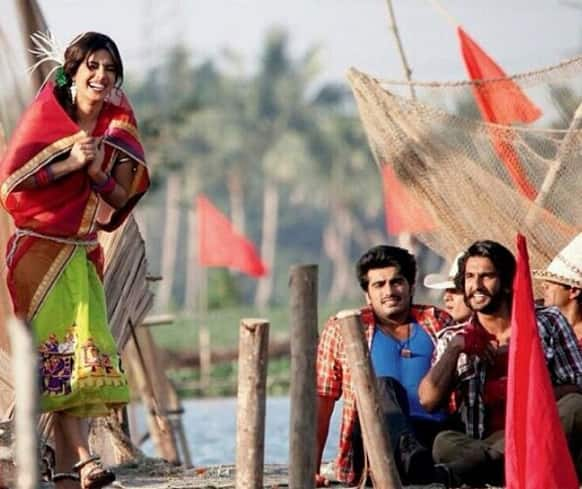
(400, 337)
(401, 349)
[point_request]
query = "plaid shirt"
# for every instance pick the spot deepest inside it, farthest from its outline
(334, 379)
(563, 358)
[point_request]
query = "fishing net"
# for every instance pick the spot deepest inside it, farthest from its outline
(470, 180)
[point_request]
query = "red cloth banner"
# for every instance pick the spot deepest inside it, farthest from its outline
(536, 453)
(403, 213)
(220, 245)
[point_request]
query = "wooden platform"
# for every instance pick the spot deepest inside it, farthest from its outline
(155, 474)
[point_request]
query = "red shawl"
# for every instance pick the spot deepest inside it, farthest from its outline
(67, 207)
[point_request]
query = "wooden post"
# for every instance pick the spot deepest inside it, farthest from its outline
(250, 421)
(376, 442)
(303, 423)
(26, 399)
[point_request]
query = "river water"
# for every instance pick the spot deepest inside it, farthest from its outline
(210, 426)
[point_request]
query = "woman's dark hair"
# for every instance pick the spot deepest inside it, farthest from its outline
(78, 52)
(383, 256)
(502, 259)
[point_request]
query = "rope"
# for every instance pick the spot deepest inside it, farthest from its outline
(464, 83)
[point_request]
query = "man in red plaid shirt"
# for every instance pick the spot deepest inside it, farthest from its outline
(471, 361)
(401, 340)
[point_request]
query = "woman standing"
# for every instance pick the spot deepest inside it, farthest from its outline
(73, 167)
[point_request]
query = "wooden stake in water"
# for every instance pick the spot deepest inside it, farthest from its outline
(250, 419)
(26, 403)
(302, 429)
(376, 442)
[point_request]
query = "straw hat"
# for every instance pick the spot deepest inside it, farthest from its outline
(442, 282)
(566, 267)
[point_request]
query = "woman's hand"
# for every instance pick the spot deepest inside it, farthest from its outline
(94, 169)
(82, 152)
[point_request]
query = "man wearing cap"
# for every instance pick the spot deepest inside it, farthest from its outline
(453, 298)
(401, 338)
(562, 284)
(472, 364)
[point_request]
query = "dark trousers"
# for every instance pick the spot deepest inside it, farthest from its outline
(413, 459)
(480, 462)
(570, 411)
(470, 461)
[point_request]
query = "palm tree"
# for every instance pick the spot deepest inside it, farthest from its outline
(278, 114)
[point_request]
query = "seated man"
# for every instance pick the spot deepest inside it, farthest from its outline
(401, 340)
(472, 363)
(453, 298)
(562, 284)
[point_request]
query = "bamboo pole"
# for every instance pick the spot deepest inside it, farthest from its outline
(158, 320)
(250, 423)
(144, 366)
(566, 146)
(26, 399)
(303, 422)
(400, 47)
(405, 240)
(376, 441)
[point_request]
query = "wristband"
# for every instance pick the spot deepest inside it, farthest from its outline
(105, 187)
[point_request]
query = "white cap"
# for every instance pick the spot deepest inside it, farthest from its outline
(566, 267)
(442, 282)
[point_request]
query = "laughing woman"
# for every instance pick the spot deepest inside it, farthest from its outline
(73, 167)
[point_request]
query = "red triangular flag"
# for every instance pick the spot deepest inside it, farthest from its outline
(536, 453)
(397, 199)
(502, 102)
(219, 245)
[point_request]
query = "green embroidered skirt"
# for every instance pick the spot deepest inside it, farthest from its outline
(80, 369)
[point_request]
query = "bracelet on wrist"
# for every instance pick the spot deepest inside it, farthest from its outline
(105, 187)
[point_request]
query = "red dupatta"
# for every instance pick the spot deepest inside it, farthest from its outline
(68, 207)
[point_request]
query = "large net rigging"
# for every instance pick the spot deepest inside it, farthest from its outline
(471, 180)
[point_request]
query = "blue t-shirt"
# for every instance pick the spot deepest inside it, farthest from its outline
(408, 369)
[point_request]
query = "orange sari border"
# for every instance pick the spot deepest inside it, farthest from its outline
(49, 280)
(37, 162)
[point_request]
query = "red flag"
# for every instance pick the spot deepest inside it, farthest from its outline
(403, 213)
(536, 453)
(500, 102)
(503, 101)
(219, 245)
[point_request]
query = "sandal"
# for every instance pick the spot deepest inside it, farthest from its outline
(93, 477)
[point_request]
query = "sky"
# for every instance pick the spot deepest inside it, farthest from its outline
(520, 34)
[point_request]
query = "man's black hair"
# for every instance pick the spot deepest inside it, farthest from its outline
(383, 256)
(502, 259)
